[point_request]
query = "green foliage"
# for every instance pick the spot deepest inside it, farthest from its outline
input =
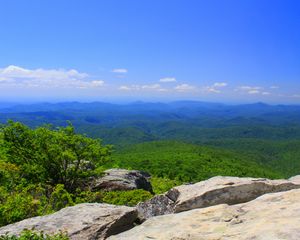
(162, 185)
(32, 200)
(9, 174)
(32, 235)
(188, 163)
(17, 207)
(88, 196)
(59, 199)
(282, 156)
(52, 156)
(128, 198)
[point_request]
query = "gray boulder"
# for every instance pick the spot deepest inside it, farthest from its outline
(122, 179)
(214, 191)
(88, 221)
(274, 216)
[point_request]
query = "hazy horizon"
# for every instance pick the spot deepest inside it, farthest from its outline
(135, 101)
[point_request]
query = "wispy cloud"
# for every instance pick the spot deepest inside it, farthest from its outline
(212, 90)
(120, 70)
(49, 78)
(252, 90)
(135, 87)
(125, 88)
(216, 87)
(167, 79)
(220, 84)
(249, 88)
(151, 86)
(184, 88)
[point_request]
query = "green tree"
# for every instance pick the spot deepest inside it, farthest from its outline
(58, 156)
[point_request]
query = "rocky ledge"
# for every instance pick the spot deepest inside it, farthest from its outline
(273, 216)
(214, 191)
(83, 221)
(220, 208)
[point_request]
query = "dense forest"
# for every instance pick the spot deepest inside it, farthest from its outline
(267, 134)
(48, 152)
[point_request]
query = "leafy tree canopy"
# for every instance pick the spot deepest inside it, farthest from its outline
(58, 156)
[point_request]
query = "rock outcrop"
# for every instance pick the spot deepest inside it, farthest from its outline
(220, 208)
(122, 179)
(274, 216)
(84, 221)
(214, 191)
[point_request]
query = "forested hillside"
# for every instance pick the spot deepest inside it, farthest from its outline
(188, 163)
(267, 134)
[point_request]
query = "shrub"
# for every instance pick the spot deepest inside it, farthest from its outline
(129, 198)
(31, 235)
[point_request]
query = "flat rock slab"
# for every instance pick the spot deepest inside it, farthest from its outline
(274, 216)
(214, 191)
(83, 221)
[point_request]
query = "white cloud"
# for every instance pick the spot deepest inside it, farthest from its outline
(215, 88)
(274, 87)
(252, 90)
(168, 79)
(212, 90)
(153, 86)
(13, 72)
(124, 88)
(220, 84)
(49, 78)
(249, 88)
(150, 87)
(184, 88)
(120, 70)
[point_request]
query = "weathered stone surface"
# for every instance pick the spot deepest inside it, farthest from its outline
(83, 221)
(274, 216)
(295, 179)
(122, 179)
(214, 191)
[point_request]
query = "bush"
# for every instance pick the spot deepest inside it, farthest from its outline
(128, 198)
(59, 199)
(32, 200)
(17, 207)
(162, 185)
(31, 235)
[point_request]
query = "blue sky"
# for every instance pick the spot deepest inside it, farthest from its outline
(157, 50)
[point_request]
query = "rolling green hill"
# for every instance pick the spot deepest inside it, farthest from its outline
(281, 155)
(187, 162)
